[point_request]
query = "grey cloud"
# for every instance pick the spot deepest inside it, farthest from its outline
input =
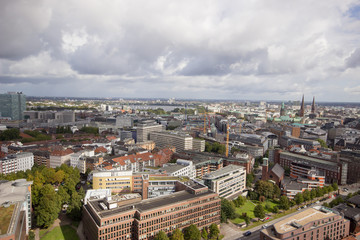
(354, 60)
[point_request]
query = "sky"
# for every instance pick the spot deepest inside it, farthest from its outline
(203, 49)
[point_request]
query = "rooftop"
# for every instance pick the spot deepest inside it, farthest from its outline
(302, 218)
(309, 158)
(172, 168)
(223, 171)
(5, 218)
(13, 191)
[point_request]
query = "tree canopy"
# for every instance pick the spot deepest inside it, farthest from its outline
(192, 233)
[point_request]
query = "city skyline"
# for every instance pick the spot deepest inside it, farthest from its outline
(197, 50)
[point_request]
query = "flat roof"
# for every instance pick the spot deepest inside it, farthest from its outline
(222, 171)
(148, 204)
(309, 158)
(5, 218)
(13, 191)
(172, 168)
(302, 218)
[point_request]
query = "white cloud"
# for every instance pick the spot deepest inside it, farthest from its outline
(208, 49)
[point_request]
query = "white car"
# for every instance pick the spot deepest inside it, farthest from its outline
(265, 226)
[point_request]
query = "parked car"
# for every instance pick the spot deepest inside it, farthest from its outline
(265, 226)
(248, 233)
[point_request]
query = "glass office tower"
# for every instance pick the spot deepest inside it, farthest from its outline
(13, 105)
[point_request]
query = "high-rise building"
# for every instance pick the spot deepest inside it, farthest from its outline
(144, 129)
(13, 105)
(180, 141)
(15, 208)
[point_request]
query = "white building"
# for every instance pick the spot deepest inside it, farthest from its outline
(181, 168)
(78, 160)
(16, 162)
(180, 141)
(227, 181)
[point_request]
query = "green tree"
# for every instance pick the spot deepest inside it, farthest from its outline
(239, 201)
(204, 234)
(335, 186)
(247, 219)
(161, 236)
(214, 231)
(322, 143)
(306, 195)
(312, 194)
(177, 235)
(259, 211)
(299, 198)
(264, 188)
(192, 233)
(284, 203)
(48, 208)
(228, 208)
(276, 191)
(249, 179)
(275, 209)
(9, 134)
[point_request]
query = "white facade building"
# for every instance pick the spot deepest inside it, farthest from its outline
(16, 162)
(227, 181)
(181, 168)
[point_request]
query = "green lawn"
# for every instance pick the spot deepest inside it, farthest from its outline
(248, 207)
(61, 233)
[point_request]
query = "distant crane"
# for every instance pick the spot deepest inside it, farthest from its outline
(227, 140)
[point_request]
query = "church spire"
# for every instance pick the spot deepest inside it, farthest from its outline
(302, 108)
(313, 106)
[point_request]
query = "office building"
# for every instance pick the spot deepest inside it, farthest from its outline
(310, 224)
(144, 129)
(15, 209)
(182, 167)
(124, 122)
(228, 181)
(13, 163)
(13, 105)
(129, 217)
(180, 141)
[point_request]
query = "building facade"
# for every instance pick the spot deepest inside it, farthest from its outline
(310, 224)
(16, 162)
(13, 105)
(178, 140)
(133, 218)
(144, 129)
(227, 181)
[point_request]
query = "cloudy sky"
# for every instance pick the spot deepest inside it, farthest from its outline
(240, 49)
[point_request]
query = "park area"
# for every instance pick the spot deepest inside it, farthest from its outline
(249, 207)
(61, 233)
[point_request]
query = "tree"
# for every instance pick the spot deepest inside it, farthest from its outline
(75, 207)
(264, 188)
(275, 209)
(59, 176)
(177, 235)
(239, 201)
(277, 191)
(214, 231)
(322, 143)
(192, 233)
(48, 208)
(306, 195)
(249, 179)
(227, 208)
(312, 194)
(335, 186)
(299, 198)
(284, 203)
(247, 219)
(10, 134)
(204, 234)
(259, 211)
(161, 236)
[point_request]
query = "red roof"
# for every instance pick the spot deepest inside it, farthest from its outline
(68, 151)
(100, 150)
(136, 157)
(111, 138)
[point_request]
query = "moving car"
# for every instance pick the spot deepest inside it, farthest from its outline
(248, 233)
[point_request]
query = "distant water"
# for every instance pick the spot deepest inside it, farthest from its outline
(166, 108)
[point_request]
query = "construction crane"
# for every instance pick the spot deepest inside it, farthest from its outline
(227, 140)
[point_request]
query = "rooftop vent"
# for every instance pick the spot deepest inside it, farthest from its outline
(296, 225)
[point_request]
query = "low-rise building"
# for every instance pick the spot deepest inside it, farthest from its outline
(312, 223)
(58, 157)
(228, 181)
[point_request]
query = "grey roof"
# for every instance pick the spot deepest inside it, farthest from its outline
(290, 184)
(349, 212)
(310, 159)
(13, 191)
(355, 200)
(278, 170)
(222, 171)
(172, 168)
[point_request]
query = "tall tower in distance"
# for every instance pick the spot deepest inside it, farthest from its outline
(313, 106)
(282, 109)
(13, 105)
(302, 108)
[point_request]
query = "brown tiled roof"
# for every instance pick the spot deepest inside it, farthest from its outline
(100, 149)
(68, 151)
(136, 157)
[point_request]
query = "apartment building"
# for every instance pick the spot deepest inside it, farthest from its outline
(180, 141)
(78, 159)
(13, 163)
(227, 181)
(204, 166)
(311, 224)
(42, 157)
(129, 217)
(15, 198)
(144, 129)
(58, 157)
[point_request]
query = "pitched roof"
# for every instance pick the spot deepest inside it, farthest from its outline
(65, 152)
(278, 170)
(100, 149)
(136, 157)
